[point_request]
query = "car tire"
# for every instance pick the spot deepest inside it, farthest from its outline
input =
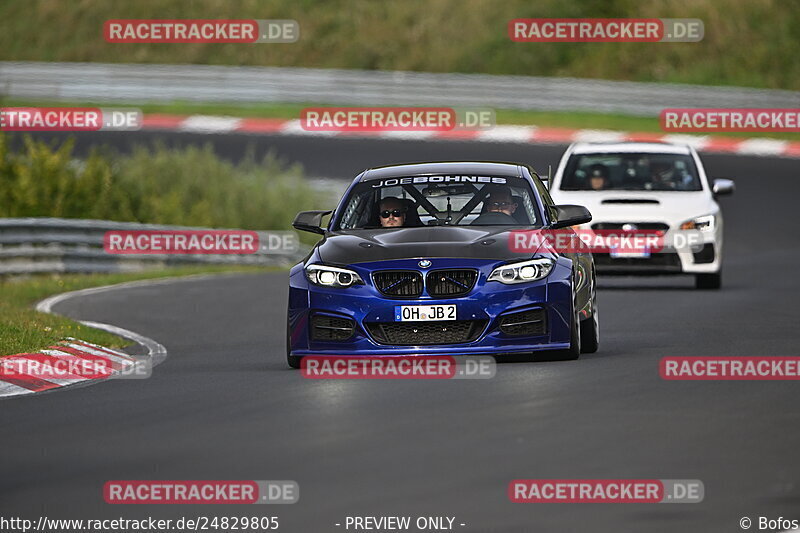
(574, 350)
(708, 281)
(590, 327)
(293, 361)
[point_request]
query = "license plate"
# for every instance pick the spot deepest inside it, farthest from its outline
(423, 313)
(638, 254)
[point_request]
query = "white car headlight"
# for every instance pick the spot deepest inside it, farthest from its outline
(523, 271)
(704, 223)
(327, 276)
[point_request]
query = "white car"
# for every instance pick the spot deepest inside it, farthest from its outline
(648, 186)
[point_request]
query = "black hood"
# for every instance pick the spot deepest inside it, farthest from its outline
(362, 246)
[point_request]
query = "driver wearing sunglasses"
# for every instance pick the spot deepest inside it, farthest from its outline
(392, 212)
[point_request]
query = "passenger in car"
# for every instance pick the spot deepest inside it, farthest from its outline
(498, 208)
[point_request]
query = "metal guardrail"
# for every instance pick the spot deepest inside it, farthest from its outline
(39, 245)
(132, 83)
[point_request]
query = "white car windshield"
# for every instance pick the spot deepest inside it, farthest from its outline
(630, 172)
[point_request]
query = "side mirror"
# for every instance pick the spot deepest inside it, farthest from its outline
(310, 221)
(722, 187)
(570, 215)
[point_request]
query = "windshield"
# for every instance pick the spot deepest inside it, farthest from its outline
(439, 201)
(631, 172)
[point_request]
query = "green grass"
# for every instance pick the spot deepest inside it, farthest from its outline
(746, 43)
(549, 119)
(22, 329)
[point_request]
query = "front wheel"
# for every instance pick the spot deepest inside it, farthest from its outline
(590, 328)
(708, 281)
(574, 350)
(292, 360)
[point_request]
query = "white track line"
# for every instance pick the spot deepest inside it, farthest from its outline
(591, 136)
(210, 124)
(762, 147)
(156, 352)
(698, 142)
(511, 134)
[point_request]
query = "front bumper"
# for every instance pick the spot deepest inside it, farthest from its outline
(705, 256)
(487, 304)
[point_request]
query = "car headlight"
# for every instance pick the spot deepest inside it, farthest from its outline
(327, 276)
(523, 271)
(704, 223)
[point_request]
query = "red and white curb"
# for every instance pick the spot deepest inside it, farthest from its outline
(87, 361)
(500, 134)
(13, 385)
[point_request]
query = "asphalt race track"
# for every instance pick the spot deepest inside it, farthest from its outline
(224, 405)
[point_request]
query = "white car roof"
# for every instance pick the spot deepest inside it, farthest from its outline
(634, 147)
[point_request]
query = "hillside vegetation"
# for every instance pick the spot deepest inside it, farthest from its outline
(747, 42)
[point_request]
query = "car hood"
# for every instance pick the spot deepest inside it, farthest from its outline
(645, 206)
(361, 246)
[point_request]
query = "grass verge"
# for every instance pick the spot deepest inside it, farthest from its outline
(23, 330)
(746, 42)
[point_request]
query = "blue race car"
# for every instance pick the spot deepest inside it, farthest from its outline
(418, 259)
